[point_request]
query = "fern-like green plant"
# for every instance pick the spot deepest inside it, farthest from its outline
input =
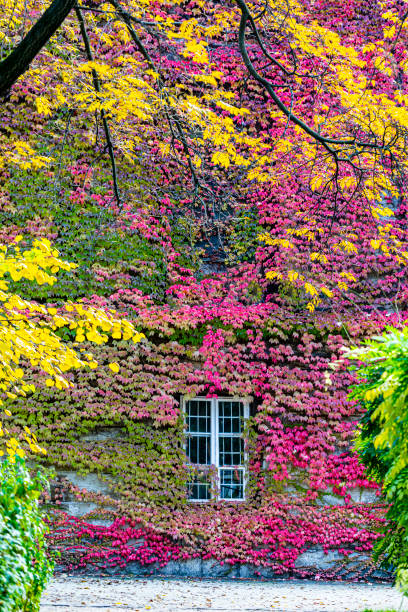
(381, 366)
(24, 565)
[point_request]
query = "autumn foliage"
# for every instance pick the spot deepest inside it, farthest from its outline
(230, 179)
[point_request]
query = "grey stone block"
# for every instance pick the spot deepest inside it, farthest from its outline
(214, 569)
(364, 496)
(171, 569)
(357, 494)
(78, 508)
(249, 571)
(103, 434)
(190, 567)
(270, 574)
(315, 557)
(329, 499)
(99, 522)
(382, 574)
(135, 569)
(90, 482)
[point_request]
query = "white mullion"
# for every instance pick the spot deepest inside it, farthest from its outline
(213, 433)
(215, 412)
(184, 413)
(214, 438)
(217, 432)
(246, 410)
(245, 470)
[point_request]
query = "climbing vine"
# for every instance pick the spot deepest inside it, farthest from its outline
(129, 431)
(144, 146)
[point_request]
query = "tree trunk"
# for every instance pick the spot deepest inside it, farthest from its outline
(20, 58)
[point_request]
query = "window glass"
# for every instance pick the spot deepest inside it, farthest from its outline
(231, 417)
(198, 449)
(232, 484)
(214, 437)
(231, 451)
(199, 488)
(198, 416)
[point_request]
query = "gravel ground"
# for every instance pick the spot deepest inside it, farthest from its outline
(167, 595)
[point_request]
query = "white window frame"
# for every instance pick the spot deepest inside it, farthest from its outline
(215, 445)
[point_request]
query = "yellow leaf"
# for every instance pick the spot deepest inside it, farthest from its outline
(316, 182)
(273, 274)
(43, 106)
(114, 367)
(342, 285)
(370, 395)
(309, 288)
(292, 275)
(326, 291)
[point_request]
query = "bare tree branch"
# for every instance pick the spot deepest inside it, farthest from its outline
(328, 143)
(97, 87)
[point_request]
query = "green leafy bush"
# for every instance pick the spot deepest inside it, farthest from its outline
(382, 440)
(24, 566)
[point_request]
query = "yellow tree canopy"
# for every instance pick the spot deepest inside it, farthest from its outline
(28, 330)
(168, 81)
(357, 122)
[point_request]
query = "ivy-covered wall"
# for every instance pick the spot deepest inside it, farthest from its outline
(310, 510)
(181, 254)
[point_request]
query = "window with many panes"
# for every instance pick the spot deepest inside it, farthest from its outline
(215, 445)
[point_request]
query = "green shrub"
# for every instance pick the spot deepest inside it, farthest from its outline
(24, 566)
(382, 388)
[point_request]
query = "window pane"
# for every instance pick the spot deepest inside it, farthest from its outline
(231, 451)
(231, 484)
(230, 459)
(231, 417)
(199, 488)
(198, 449)
(198, 416)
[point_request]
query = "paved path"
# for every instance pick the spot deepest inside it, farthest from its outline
(68, 593)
